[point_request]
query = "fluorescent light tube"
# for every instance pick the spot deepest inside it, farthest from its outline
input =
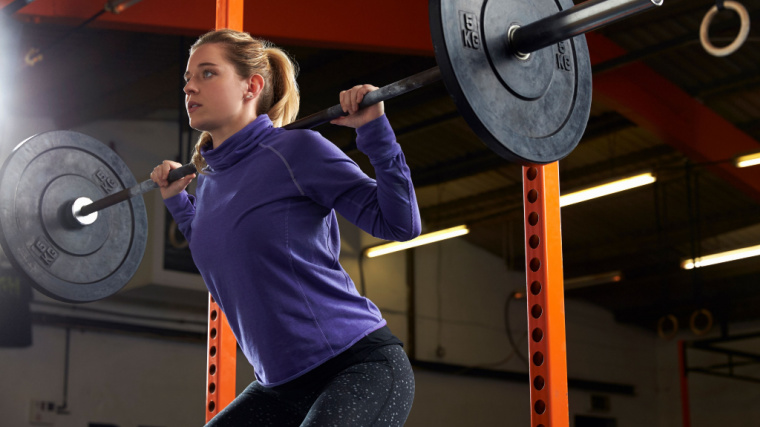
(424, 239)
(747, 160)
(607, 189)
(721, 257)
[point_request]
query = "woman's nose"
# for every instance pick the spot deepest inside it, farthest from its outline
(190, 87)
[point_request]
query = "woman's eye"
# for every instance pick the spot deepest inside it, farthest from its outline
(207, 74)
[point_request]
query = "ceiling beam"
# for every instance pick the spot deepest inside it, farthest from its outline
(396, 26)
(665, 110)
(745, 82)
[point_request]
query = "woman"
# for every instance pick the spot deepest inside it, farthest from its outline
(263, 232)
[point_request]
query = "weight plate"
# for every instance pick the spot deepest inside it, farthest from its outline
(533, 110)
(38, 181)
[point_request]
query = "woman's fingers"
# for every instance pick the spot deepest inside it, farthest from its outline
(349, 103)
(160, 175)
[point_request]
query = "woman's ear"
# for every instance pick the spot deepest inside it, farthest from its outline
(255, 86)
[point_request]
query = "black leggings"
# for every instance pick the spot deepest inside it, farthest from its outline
(377, 391)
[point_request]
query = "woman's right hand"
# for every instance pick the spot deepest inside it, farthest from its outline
(160, 176)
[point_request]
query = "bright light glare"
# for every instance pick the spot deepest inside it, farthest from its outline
(721, 257)
(448, 233)
(10, 62)
(748, 160)
(607, 189)
(6, 55)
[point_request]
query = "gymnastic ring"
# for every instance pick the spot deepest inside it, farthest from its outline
(661, 326)
(176, 244)
(740, 38)
(693, 321)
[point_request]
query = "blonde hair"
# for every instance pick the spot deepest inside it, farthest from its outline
(279, 98)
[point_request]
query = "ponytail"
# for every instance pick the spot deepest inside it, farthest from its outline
(285, 96)
(198, 160)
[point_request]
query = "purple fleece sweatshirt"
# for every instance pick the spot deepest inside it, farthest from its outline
(264, 235)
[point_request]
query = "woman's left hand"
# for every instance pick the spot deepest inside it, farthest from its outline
(349, 101)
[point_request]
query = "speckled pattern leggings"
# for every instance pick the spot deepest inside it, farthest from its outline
(377, 392)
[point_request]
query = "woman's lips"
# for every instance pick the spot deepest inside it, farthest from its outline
(192, 106)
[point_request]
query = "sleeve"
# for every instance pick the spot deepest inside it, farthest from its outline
(385, 207)
(182, 209)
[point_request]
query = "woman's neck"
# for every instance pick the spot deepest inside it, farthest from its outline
(218, 136)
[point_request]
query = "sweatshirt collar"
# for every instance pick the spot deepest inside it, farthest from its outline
(238, 145)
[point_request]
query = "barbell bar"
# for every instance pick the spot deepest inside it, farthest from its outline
(580, 19)
(386, 92)
(131, 192)
(517, 70)
(522, 41)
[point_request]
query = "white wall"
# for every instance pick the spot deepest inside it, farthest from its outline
(113, 379)
(141, 144)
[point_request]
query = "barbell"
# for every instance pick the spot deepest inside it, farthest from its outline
(518, 71)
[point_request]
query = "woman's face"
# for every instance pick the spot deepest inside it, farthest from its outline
(214, 93)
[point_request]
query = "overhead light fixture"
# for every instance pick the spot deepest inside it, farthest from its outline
(424, 239)
(607, 189)
(747, 160)
(721, 257)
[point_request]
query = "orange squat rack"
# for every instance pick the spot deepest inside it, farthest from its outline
(222, 360)
(545, 296)
(222, 346)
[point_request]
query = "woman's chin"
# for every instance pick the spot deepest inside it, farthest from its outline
(198, 125)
